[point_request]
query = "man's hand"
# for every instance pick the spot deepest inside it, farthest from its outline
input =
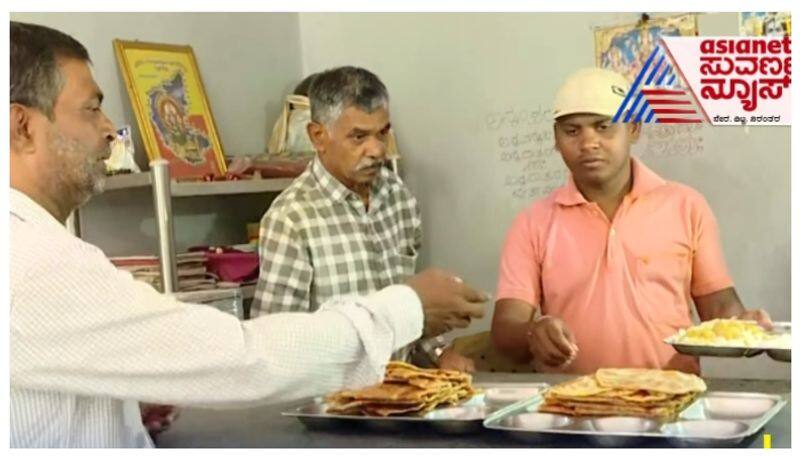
(759, 315)
(447, 302)
(158, 418)
(452, 360)
(551, 342)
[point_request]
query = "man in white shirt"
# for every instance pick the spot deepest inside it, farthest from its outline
(88, 342)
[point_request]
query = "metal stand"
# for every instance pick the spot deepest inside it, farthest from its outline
(162, 204)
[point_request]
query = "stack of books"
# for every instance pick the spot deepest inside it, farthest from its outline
(192, 270)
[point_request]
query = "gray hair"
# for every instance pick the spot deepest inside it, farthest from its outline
(305, 85)
(35, 78)
(332, 91)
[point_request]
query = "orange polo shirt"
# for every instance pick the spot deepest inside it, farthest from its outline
(621, 286)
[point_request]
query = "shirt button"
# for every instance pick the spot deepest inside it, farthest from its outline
(613, 232)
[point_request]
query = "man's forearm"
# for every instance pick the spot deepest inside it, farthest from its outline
(510, 328)
(721, 304)
(511, 338)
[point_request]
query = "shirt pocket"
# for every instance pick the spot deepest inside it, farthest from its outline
(663, 279)
(402, 265)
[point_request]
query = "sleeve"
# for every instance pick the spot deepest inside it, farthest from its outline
(709, 272)
(520, 268)
(286, 272)
(81, 326)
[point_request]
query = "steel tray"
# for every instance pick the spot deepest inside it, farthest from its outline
(464, 418)
(714, 419)
(714, 351)
(780, 354)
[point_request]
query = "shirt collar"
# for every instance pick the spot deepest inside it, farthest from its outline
(29, 210)
(336, 191)
(644, 181)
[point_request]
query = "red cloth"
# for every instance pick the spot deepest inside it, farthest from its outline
(231, 265)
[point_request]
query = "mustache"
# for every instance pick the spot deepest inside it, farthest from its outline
(370, 164)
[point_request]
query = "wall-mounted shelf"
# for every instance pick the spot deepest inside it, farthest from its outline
(200, 188)
(164, 190)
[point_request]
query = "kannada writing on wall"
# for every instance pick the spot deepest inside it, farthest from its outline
(522, 145)
(670, 140)
(530, 167)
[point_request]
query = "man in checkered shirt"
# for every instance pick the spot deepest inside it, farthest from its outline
(347, 225)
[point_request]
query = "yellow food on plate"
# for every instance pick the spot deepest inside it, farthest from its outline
(726, 332)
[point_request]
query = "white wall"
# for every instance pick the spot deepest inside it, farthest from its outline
(449, 74)
(248, 63)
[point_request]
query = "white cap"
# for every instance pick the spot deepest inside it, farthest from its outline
(591, 90)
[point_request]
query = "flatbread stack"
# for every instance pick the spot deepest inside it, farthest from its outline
(406, 389)
(649, 393)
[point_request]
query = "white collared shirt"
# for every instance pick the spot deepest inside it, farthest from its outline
(88, 342)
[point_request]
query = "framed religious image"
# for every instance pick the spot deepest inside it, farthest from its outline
(765, 24)
(625, 48)
(171, 107)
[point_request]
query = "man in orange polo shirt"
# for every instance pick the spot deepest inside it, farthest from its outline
(600, 271)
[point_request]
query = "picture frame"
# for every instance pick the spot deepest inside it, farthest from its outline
(625, 48)
(765, 24)
(171, 107)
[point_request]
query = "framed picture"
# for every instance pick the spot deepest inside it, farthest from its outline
(625, 48)
(765, 24)
(171, 107)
